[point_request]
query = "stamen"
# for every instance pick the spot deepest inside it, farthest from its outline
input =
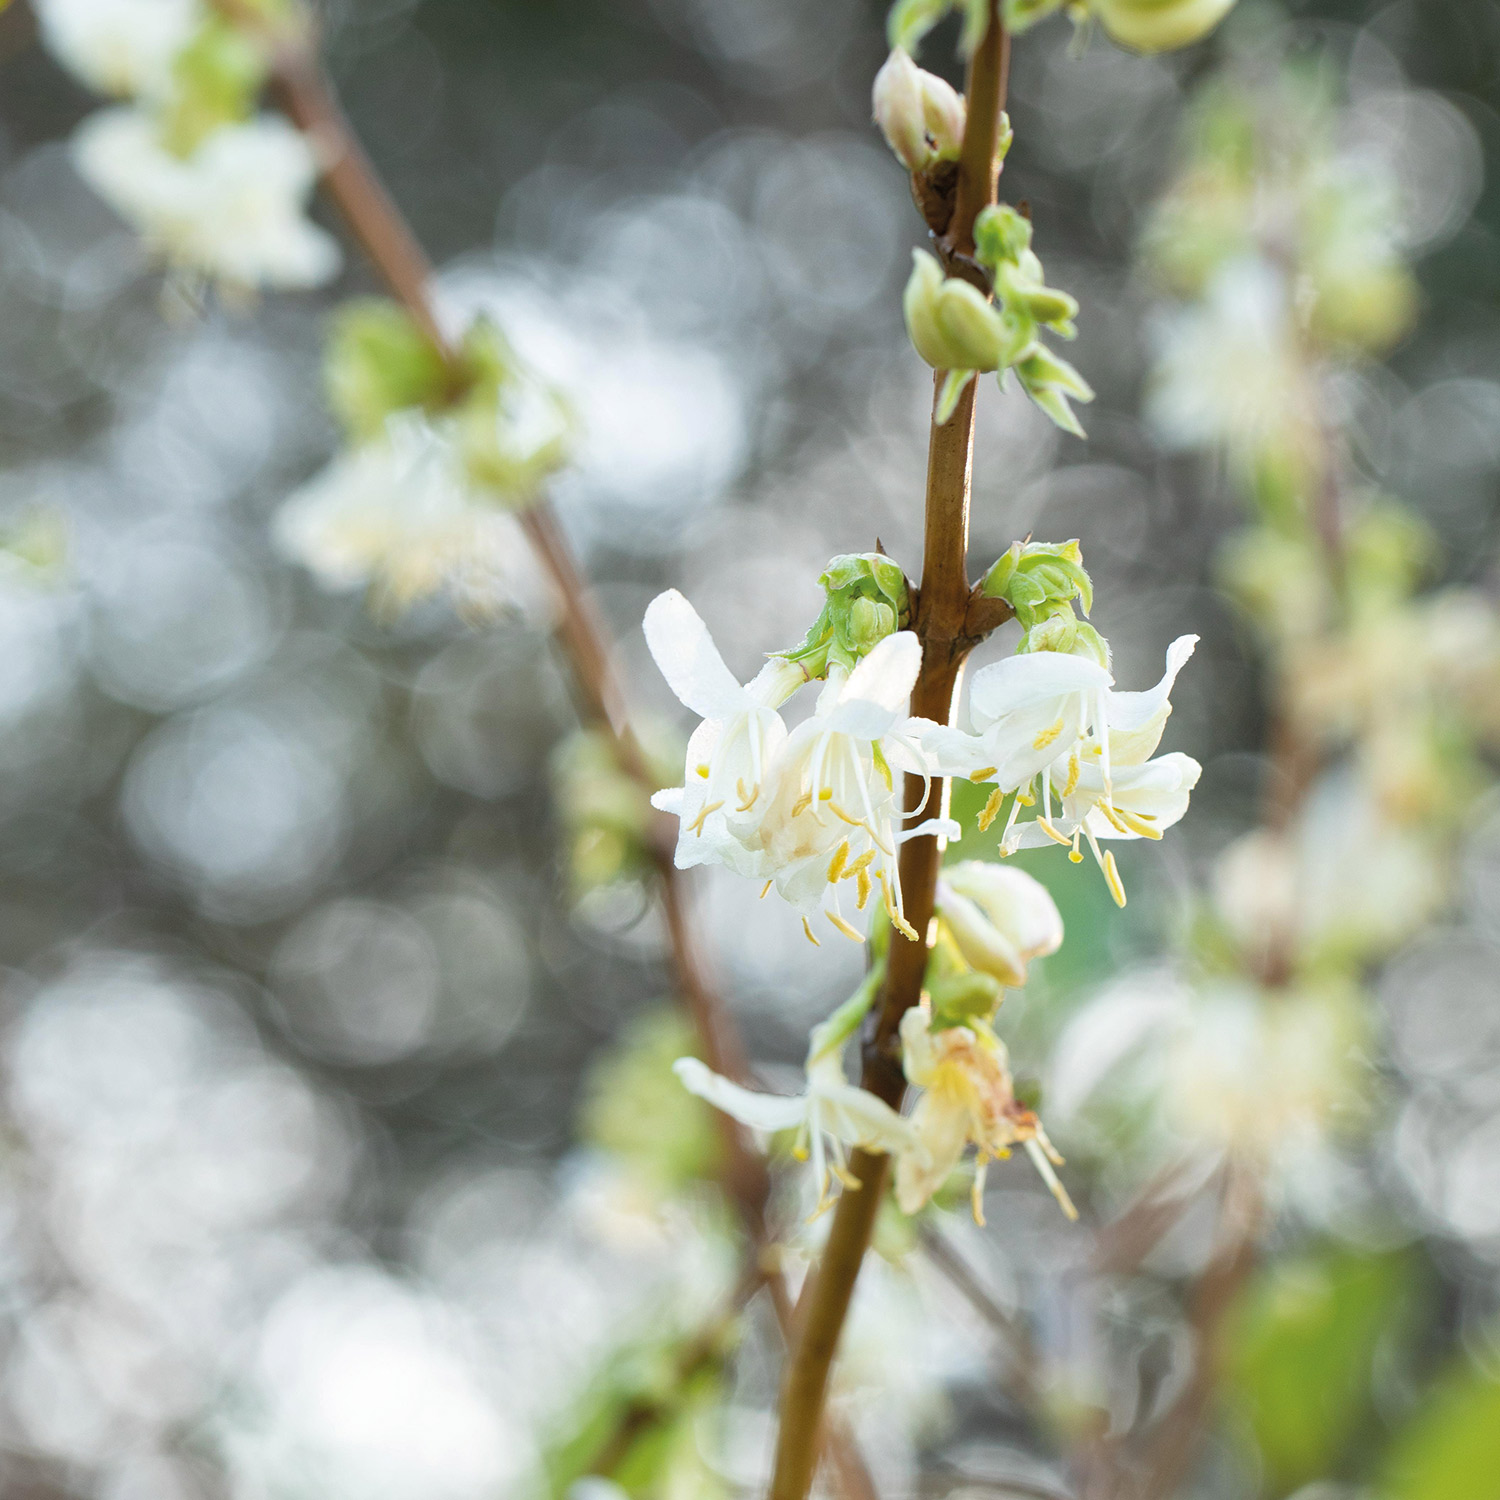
(1044, 1167)
(855, 866)
(984, 774)
(703, 772)
(1112, 875)
(765, 890)
(1114, 818)
(826, 795)
(991, 810)
(1025, 799)
(1053, 833)
(802, 804)
(1047, 736)
(847, 1177)
(976, 1193)
(1075, 769)
(1140, 823)
(844, 927)
(863, 887)
(839, 812)
(807, 928)
(836, 864)
(696, 826)
(747, 799)
(1075, 854)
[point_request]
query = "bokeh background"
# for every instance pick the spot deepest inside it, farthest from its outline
(299, 1009)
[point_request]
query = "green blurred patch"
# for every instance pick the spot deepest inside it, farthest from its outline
(1300, 1351)
(635, 1109)
(1451, 1449)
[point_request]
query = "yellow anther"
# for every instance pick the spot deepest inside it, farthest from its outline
(836, 864)
(991, 810)
(1112, 876)
(826, 795)
(1074, 768)
(703, 772)
(802, 804)
(847, 1177)
(864, 887)
(1047, 736)
(1114, 818)
(765, 890)
(1140, 823)
(983, 774)
(856, 865)
(1053, 833)
(1025, 799)
(696, 826)
(807, 928)
(844, 927)
(839, 812)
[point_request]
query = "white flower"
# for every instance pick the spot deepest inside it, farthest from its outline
(808, 812)
(232, 210)
(968, 1096)
(1000, 917)
(832, 813)
(397, 514)
(731, 753)
(1107, 785)
(832, 1107)
(120, 47)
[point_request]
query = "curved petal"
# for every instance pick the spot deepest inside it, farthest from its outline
(887, 675)
(861, 1119)
(768, 1112)
(1021, 680)
(688, 658)
(1136, 720)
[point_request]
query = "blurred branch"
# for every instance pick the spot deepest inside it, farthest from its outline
(941, 613)
(304, 94)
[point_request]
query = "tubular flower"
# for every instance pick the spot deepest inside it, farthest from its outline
(1108, 786)
(1000, 918)
(832, 814)
(732, 752)
(968, 1096)
(831, 1115)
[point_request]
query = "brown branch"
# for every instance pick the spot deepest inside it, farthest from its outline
(942, 609)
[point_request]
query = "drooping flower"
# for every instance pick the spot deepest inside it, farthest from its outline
(964, 1072)
(119, 47)
(396, 514)
(831, 1115)
(232, 210)
(833, 810)
(1107, 785)
(732, 752)
(999, 917)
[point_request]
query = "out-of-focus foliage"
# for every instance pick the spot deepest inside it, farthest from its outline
(1451, 1448)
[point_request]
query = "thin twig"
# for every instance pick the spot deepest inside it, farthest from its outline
(941, 612)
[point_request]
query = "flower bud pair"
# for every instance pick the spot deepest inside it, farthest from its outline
(866, 601)
(921, 115)
(952, 325)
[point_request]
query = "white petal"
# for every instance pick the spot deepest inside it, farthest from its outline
(669, 800)
(1136, 719)
(861, 1119)
(1021, 680)
(953, 752)
(688, 658)
(888, 674)
(768, 1112)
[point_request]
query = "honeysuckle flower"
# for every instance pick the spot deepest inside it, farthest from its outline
(1000, 917)
(829, 1116)
(964, 1073)
(732, 752)
(1105, 783)
(832, 814)
(396, 514)
(118, 47)
(231, 210)
(1159, 25)
(1023, 713)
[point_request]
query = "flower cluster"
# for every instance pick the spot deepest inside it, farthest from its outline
(442, 450)
(216, 190)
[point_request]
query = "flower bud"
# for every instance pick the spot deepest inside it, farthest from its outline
(951, 324)
(1159, 25)
(900, 110)
(1000, 918)
(866, 602)
(962, 999)
(945, 113)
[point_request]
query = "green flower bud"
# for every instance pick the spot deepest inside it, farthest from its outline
(379, 362)
(1159, 25)
(1001, 233)
(961, 999)
(1032, 577)
(215, 81)
(866, 600)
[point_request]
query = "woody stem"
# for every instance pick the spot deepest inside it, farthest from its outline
(941, 619)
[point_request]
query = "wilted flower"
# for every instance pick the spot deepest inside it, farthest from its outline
(964, 1073)
(233, 209)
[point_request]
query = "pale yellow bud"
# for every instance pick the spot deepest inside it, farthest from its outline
(944, 113)
(1159, 25)
(951, 324)
(900, 109)
(1000, 917)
